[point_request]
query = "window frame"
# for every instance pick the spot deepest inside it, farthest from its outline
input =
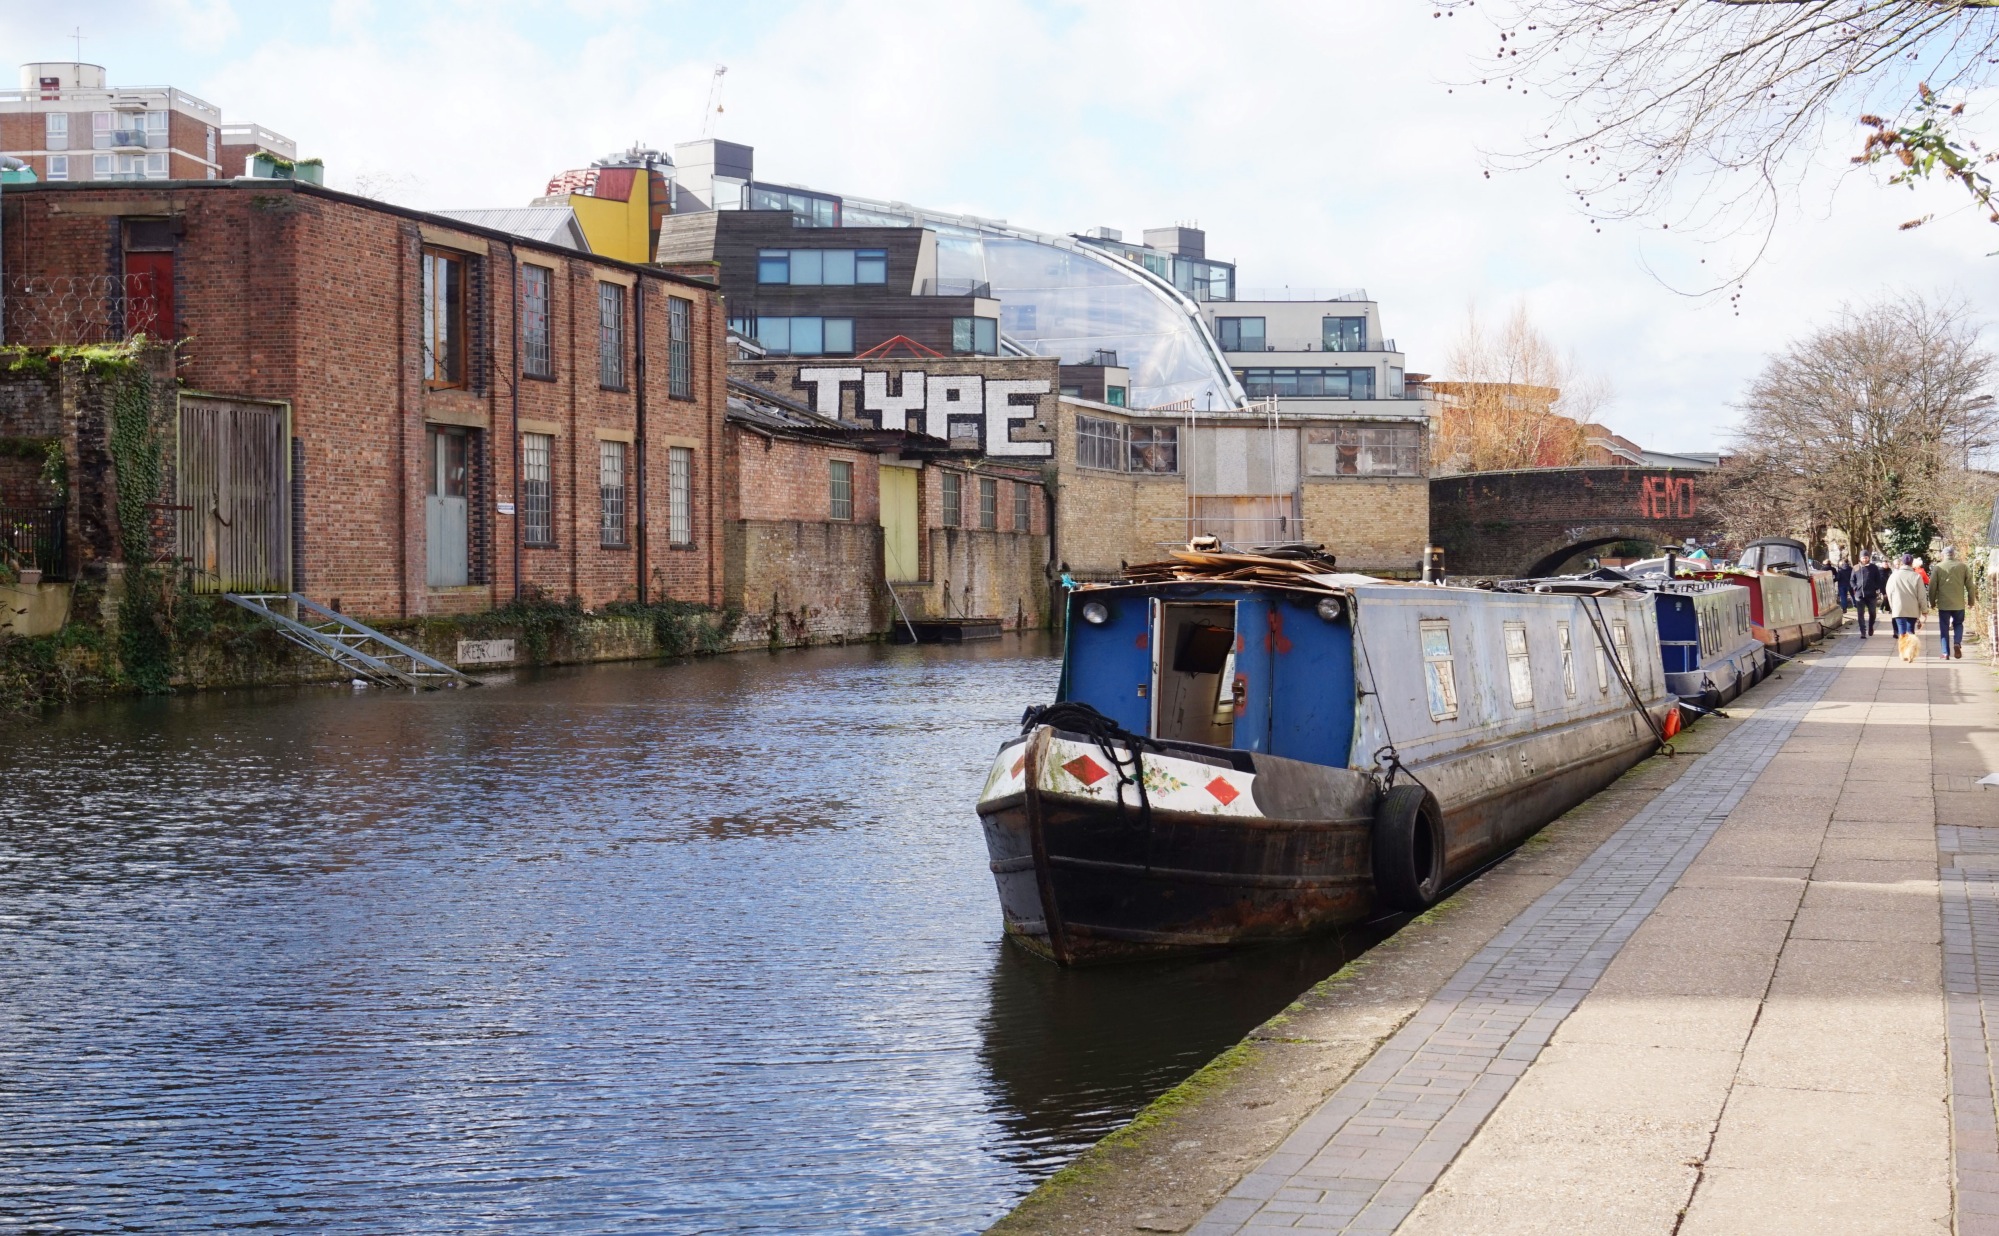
(1519, 663)
(951, 499)
(58, 167)
(55, 131)
(1354, 455)
(611, 335)
(612, 500)
(537, 512)
(988, 504)
(679, 348)
(1439, 669)
(1114, 445)
(1023, 507)
(1566, 637)
(1230, 329)
(1159, 442)
(840, 490)
(1334, 329)
(870, 262)
(680, 497)
(545, 367)
(439, 311)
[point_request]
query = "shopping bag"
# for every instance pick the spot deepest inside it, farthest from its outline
(1909, 645)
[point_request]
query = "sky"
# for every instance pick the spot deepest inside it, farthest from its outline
(1320, 143)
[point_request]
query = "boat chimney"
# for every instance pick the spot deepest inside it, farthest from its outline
(1433, 564)
(1672, 563)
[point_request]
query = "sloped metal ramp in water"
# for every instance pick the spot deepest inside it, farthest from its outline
(358, 649)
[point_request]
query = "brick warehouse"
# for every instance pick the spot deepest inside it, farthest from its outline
(472, 415)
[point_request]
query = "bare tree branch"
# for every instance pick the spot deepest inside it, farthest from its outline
(1704, 115)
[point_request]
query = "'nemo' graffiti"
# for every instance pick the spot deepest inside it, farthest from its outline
(1666, 497)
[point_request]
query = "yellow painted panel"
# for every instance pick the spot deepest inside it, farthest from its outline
(899, 524)
(619, 230)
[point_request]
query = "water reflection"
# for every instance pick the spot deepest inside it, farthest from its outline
(704, 948)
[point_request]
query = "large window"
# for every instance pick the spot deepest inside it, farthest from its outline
(1154, 448)
(822, 267)
(1023, 507)
(1307, 383)
(537, 489)
(1519, 665)
(1240, 334)
(55, 131)
(954, 499)
(807, 209)
(1100, 443)
(1364, 450)
(975, 336)
(1345, 334)
(680, 496)
(611, 335)
(679, 348)
(58, 167)
(806, 336)
(611, 491)
(537, 354)
(841, 478)
(443, 319)
(988, 503)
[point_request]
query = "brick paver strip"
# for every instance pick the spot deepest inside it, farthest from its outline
(1968, 862)
(1364, 1159)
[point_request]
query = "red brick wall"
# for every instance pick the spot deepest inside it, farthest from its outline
(287, 293)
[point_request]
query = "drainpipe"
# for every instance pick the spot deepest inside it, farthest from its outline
(514, 383)
(639, 417)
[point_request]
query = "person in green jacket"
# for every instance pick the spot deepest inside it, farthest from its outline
(1953, 589)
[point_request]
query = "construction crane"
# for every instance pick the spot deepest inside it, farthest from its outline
(714, 107)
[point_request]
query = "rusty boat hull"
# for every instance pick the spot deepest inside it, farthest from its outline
(1085, 879)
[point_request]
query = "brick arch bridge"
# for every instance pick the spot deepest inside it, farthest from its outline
(1529, 521)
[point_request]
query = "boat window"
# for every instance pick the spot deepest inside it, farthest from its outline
(1519, 665)
(1622, 638)
(1602, 665)
(1194, 694)
(1437, 669)
(1568, 658)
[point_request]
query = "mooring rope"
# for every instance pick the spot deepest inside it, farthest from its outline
(1079, 718)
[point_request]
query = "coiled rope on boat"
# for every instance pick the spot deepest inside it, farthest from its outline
(1076, 717)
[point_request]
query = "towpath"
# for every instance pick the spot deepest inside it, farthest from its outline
(1753, 999)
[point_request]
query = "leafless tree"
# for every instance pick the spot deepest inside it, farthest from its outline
(1702, 115)
(1511, 399)
(1886, 413)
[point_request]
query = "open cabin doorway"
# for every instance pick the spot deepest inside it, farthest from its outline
(1193, 672)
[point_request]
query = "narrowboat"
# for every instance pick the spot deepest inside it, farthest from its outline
(1246, 752)
(1818, 601)
(1707, 647)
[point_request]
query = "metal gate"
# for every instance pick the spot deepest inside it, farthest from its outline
(233, 479)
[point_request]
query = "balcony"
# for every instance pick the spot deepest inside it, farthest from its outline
(954, 287)
(128, 139)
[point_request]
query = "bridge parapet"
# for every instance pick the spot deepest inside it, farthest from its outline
(1528, 521)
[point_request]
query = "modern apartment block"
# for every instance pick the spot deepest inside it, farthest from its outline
(68, 125)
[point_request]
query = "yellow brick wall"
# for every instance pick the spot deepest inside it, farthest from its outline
(1370, 525)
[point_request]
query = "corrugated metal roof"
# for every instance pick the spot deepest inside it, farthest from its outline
(552, 225)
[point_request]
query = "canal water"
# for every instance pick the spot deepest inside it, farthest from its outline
(707, 947)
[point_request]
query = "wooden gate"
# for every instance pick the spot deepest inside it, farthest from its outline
(233, 480)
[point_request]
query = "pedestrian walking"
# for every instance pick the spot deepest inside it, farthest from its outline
(1842, 575)
(1953, 589)
(1870, 583)
(1922, 569)
(1908, 600)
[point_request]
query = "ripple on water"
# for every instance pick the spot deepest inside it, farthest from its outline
(695, 948)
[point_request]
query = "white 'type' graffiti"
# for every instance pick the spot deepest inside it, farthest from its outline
(933, 403)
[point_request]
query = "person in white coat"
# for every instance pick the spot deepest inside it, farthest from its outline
(1908, 600)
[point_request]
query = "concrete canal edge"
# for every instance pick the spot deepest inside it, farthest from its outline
(1175, 1159)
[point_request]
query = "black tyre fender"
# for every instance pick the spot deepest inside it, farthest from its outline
(1408, 848)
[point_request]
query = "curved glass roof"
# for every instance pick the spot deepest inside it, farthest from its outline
(1069, 300)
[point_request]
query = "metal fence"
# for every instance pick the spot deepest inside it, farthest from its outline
(36, 537)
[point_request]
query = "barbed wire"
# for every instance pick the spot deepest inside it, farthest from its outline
(66, 310)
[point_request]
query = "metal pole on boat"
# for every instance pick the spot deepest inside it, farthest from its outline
(1433, 564)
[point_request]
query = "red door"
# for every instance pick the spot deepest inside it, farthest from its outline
(149, 295)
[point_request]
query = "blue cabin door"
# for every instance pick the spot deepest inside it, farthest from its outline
(1254, 665)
